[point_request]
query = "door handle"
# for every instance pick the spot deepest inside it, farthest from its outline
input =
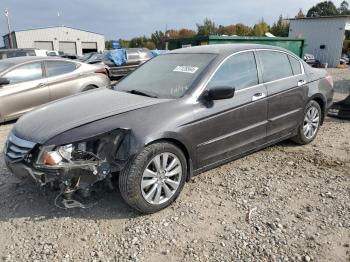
(258, 96)
(41, 85)
(301, 82)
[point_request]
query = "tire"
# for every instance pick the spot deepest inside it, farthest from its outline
(89, 87)
(302, 138)
(141, 171)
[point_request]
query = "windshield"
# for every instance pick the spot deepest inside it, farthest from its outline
(166, 76)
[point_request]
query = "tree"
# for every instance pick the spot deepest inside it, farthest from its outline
(243, 30)
(344, 8)
(260, 28)
(186, 33)
(227, 30)
(280, 28)
(326, 8)
(124, 43)
(108, 44)
(207, 28)
(150, 45)
(300, 14)
(172, 33)
(158, 38)
(138, 41)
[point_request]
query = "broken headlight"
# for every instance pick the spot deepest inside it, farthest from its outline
(66, 154)
(95, 150)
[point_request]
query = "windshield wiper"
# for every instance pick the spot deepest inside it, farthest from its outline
(141, 93)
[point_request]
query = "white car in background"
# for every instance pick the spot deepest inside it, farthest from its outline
(29, 81)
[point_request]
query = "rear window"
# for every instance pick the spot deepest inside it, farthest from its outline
(55, 68)
(275, 65)
(296, 67)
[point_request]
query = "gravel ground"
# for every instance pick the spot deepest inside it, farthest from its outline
(298, 198)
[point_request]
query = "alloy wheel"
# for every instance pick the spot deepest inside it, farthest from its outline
(161, 178)
(311, 122)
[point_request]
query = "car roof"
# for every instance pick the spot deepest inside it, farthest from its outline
(223, 49)
(22, 59)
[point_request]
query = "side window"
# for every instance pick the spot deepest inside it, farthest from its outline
(27, 72)
(296, 67)
(275, 65)
(55, 68)
(239, 71)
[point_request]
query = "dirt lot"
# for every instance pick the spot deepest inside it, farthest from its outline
(298, 196)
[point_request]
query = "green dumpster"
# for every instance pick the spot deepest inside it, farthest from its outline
(295, 45)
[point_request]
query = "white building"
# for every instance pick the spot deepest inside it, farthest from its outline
(324, 36)
(59, 38)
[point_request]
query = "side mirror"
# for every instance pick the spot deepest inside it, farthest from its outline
(4, 81)
(220, 92)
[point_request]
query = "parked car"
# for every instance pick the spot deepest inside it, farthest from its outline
(8, 53)
(92, 58)
(341, 109)
(27, 82)
(312, 61)
(54, 53)
(134, 58)
(344, 59)
(174, 117)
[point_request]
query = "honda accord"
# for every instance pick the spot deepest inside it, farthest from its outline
(176, 116)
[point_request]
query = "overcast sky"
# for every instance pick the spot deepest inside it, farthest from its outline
(126, 19)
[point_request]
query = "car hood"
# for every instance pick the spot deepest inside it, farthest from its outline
(54, 118)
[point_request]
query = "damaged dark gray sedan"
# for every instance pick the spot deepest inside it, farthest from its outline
(176, 116)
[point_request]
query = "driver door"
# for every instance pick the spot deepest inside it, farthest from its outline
(230, 127)
(26, 90)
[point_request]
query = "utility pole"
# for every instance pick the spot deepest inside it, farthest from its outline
(166, 37)
(8, 27)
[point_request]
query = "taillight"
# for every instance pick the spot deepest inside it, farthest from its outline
(329, 78)
(102, 71)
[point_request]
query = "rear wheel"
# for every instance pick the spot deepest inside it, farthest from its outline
(154, 178)
(310, 125)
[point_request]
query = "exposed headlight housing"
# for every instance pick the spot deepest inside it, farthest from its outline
(51, 158)
(92, 151)
(61, 155)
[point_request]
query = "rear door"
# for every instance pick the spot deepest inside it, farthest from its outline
(27, 89)
(286, 88)
(62, 77)
(232, 126)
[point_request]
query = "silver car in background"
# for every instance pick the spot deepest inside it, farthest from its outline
(27, 82)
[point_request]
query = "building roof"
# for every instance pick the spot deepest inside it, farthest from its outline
(222, 48)
(321, 17)
(38, 28)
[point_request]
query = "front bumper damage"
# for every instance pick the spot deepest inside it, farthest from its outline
(74, 179)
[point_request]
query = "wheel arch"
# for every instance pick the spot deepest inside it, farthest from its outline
(89, 87)
(318, 98)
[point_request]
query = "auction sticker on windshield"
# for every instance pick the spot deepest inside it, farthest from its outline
(186, 69)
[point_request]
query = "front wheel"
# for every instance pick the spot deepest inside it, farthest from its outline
(310, 125)
(154, 178)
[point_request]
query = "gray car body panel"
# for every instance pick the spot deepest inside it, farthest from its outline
(209, 133)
